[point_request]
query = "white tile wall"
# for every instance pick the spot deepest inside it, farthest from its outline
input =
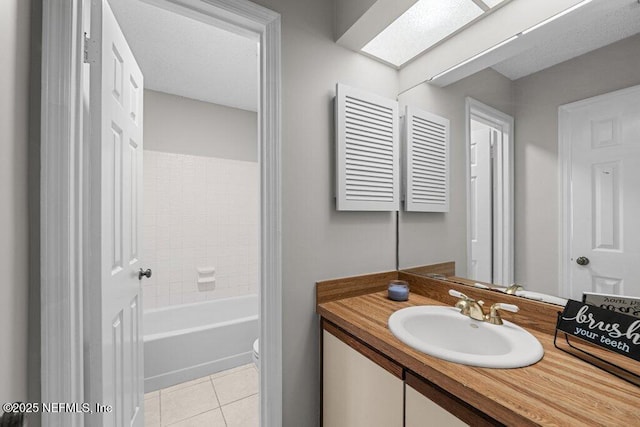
(199, 212)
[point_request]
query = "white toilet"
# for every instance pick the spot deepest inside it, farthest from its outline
(256, 354)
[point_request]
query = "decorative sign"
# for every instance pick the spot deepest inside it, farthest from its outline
(619, 303)
(605, 328)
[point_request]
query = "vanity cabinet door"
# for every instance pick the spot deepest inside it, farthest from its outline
(356, 391)
(428, 405)
(421, 411)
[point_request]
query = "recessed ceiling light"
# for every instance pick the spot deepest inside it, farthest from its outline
(420, 27)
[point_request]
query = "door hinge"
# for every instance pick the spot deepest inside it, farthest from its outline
(86, 49)
(86, 59)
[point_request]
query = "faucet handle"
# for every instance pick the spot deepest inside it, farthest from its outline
(464, 303)
(508, 307)
(459, 294)
(513, 289)
(494, 316)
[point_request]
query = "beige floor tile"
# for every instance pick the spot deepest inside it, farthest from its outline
(236, 386)
(184, 384)
(232, 370)
(243, 413)
(152, 411)
(208, 419)
(187, 402)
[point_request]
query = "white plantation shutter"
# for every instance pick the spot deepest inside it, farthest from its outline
(427, 162)
(367, 154)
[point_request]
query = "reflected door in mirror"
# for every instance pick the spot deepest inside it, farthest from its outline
(481, 206)
(604, 137)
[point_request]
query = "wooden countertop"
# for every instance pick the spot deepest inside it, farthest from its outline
(560, 390)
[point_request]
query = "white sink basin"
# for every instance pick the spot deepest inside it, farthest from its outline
(445, 333)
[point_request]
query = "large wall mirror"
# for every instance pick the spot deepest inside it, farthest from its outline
(575, 104)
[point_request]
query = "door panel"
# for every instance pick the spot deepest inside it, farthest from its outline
(117, 367)
(481, 208)
(116, 152)
(135, 181)
(604, 196)
(605, 179)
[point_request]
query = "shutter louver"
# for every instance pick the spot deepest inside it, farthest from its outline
(427, 162)
(367, 155)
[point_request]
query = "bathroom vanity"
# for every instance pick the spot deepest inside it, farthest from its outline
(370, 378)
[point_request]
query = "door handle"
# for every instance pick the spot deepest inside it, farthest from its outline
(144, 273)
(583, 260)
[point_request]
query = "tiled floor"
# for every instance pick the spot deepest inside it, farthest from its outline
(226, 399)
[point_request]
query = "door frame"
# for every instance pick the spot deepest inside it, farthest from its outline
(564, 178)
(503, 245)
(64, 165)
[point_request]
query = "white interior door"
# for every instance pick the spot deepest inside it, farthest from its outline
(500, 273)
(490, 194)
(481, 203)
(113, 330)
(604, 194)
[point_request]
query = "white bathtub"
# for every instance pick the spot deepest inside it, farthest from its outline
(189, 341)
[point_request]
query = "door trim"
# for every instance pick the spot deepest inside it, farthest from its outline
(61, 293)
(564, 179)
(64, 167)
(503, 247)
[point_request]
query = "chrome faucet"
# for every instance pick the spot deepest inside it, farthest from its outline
(474, 309)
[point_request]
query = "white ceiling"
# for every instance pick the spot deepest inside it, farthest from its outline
(587, 29)
(182, 56)
(189, 58)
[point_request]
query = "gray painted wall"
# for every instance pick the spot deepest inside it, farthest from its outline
(14, 95)
(318, 242)
(348, 12)
(427, 238)
(537, 98)
(174, 124)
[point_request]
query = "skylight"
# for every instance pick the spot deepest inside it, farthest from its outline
(422, 26)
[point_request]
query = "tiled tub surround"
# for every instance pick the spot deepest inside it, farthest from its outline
(199, 213)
